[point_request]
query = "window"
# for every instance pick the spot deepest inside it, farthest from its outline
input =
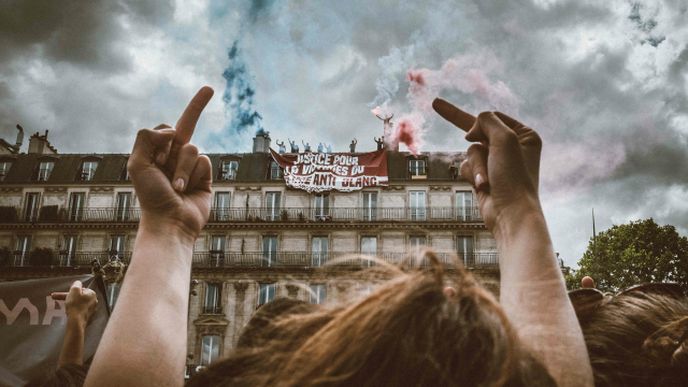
(210, 349)
(318, 293)
(369, 206)
(76, 206)
(125, 172)
(269, 250)
(272, 205)
(228, 169)
(417, 205)
(88, 170)
(222, 206)
(44, 170)
(417, 168)
(4, 169)
(31, 206)
(321, 207)
(217, 250)
(417, 242)
(69, 253)
(369, 245)
(275, 171)
(112, 294)
(266, 293)
(319, 248)
(117, 246)
(464, 248)
(212, 305)
(22, 250)
(464, 205)
(123, 209)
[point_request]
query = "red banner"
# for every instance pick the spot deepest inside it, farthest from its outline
(345, 172)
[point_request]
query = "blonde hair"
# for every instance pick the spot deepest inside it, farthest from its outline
(407, 332)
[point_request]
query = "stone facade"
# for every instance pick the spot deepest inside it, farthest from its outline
(291, 250)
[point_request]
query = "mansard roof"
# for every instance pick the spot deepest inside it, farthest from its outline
(253, 167)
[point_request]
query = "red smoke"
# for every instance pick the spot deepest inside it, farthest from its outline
(414, 76)
(408, 134)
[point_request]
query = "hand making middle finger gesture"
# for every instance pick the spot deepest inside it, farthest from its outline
(503, 163)
(172, 181)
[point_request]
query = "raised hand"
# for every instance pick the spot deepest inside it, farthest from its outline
(172, 181)
(503, 165)
(80, 302)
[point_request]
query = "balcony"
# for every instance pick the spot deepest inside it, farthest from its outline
(211, 309)
(291, 259)
(255, 259)
(346, 214)
(63, 259)
(56, 214)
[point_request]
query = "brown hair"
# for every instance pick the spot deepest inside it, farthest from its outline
(408, 332)
(636, 338)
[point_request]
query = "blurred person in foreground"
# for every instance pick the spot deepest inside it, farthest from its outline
(80, 304)
(412, 331)
(637, 337)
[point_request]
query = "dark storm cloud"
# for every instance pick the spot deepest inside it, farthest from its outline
(83, 33)
(42, 45)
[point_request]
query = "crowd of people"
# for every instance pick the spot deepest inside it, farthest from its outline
(423, 327)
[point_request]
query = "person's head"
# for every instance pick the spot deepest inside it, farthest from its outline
(69, 375)
(638, 337)
(408, 332)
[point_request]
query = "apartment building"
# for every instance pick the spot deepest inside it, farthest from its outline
(270, 233)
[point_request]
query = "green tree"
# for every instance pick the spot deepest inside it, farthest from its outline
(634, 253)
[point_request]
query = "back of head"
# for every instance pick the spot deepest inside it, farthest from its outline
(631, 339)
(408, 332)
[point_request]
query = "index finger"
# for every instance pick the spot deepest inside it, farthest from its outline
(187, 122)
(453, 114)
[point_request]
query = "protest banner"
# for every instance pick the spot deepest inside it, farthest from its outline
(344, 172)
(32, 326)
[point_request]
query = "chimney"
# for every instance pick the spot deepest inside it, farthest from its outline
(261, 142)
(20, 137)
(40, 145)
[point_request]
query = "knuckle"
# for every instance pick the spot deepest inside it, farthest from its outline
(465, 169)
(485, 116)
(191, 150)
(535, 139)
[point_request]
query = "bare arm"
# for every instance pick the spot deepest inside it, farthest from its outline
(503, 166)
(80, 304)
(142, 344)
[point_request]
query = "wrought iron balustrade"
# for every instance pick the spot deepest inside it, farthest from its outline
(58, 214)
(285, 259)
(348, 214)
(65, 259)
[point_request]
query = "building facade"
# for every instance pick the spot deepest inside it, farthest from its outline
(61, 213)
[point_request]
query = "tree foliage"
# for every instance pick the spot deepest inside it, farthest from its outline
(634, 253)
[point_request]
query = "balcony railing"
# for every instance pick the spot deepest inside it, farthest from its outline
(256, 259)
(359, 214)
(53, 214)
(62, 259)
(309, 259)
(211, 309)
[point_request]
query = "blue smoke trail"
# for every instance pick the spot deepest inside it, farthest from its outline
(239, 93)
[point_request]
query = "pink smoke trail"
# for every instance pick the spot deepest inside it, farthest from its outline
(468, 74)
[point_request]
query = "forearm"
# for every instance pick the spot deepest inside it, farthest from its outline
(534, 297)
(73, 346)
(142, 344)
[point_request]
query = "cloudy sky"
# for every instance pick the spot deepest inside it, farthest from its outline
(605, 83)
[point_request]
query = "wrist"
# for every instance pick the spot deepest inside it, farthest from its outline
(523, 220)
(174, 231)
(76, 321)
